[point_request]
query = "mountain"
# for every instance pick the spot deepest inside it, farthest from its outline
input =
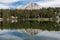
(30, 6)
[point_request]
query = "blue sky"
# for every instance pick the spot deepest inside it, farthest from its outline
(15, 3)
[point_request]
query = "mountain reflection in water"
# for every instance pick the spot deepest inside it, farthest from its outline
(18, 35)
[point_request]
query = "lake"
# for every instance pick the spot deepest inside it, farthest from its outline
(19, 35)
(20, 24)
(29, 30)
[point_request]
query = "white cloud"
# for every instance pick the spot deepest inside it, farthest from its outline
(8, 1)
(5, 4)
(52, 34)
(9, 37)
(52, 3)
(20, 6)
(2, 6)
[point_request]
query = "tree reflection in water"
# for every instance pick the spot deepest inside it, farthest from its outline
(19, 24)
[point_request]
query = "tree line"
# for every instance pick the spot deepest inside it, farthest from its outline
(42, 13)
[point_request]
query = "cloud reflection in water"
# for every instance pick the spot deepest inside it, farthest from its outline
(15, 35)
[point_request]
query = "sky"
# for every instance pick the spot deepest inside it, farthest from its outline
(4, 4)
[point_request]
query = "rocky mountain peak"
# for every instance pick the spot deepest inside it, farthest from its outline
(31, 6)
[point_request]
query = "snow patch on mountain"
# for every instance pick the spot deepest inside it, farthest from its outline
(30, 6)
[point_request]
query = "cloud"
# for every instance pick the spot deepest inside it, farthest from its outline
(9, 37)
(52, 3)
(52, 34)
(8, 1)
(2, 6)
(18, 7)
(14, 3)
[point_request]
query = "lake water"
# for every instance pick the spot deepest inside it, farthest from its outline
(19, 24)
(11, 30)
(19, 35)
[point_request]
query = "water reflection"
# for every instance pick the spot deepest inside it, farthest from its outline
(12, 21)
(19, 35)
(12, 35)
(19, 24)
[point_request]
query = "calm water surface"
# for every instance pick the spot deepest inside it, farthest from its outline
(19, 35)
(8, 30)
(19, 24)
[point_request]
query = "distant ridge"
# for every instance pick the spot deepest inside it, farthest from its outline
(30, 6)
